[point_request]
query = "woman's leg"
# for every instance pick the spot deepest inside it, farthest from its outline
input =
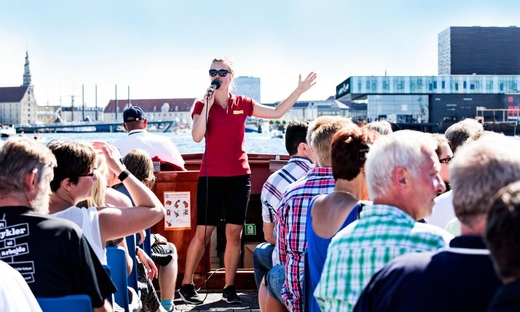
(232, 252)
(196, 251)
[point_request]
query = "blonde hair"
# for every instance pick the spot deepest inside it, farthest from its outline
(225, 61)
(383, 127)
(320, 137)
(230, 67)
(98, 191)
(440, 140)
(99, 187)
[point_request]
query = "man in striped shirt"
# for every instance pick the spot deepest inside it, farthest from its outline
(300, 162)
(292, 213)
(403, 178)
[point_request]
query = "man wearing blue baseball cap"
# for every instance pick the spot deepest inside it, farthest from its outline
(158, 147)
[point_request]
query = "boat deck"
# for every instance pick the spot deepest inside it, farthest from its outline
(214, 302)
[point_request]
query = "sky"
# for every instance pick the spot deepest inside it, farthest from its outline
(163, 48)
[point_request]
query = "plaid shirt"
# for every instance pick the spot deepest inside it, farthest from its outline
(358, 251)
(273, 188)
(292, 218)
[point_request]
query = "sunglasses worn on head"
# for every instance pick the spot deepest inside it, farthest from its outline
(446, 160)
(220, 72)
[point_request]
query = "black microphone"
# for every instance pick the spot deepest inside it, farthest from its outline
(215, 84)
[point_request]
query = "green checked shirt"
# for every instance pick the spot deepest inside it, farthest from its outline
(358, 251)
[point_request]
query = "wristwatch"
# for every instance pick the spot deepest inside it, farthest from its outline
(123, 175)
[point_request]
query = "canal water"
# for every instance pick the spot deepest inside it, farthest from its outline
(255, 143)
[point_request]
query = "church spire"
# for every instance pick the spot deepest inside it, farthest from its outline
(27, 71)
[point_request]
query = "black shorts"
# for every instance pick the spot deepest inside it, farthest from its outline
(232, 192)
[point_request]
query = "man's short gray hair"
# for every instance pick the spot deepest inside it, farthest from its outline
(460, 132)
(18, 157)
(479, 170)
(405, 148)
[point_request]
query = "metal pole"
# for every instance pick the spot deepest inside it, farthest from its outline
(97, 118)
(83, 102)
(72, 108)
(115, 109)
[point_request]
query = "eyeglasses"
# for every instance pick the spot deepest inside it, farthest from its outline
(89, 174)
(446, 160)
(220, 72)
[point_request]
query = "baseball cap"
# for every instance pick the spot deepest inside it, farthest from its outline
(133, 113)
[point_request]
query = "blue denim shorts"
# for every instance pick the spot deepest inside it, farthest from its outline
(262, 261)
(274, 281)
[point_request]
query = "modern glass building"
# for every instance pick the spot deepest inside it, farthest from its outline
(430, 99)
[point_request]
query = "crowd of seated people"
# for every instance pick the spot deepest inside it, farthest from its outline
(392, 253)
(54, 256)
(64, 215)
(283, 281)
(101, 196)
(355, 228)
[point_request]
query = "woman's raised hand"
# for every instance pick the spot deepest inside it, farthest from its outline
(112, 157)
(307, 83)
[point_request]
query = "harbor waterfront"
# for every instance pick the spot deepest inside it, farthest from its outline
(255, 143)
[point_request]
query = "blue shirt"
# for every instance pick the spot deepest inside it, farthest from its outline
(317, 252)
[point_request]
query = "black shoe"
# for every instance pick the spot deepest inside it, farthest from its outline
(189, 294)
(229, 295)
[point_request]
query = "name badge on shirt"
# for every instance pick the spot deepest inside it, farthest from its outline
(238, 112)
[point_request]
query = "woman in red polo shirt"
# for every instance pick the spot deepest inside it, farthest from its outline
(224, 172)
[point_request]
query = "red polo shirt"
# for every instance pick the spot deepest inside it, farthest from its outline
(225, 155)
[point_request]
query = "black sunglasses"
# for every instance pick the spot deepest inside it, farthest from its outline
(446, 160)
(220, 72)
(89, 174)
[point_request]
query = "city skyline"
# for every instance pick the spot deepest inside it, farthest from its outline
(163, 49)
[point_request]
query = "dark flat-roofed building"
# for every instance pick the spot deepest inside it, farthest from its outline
(479, 50)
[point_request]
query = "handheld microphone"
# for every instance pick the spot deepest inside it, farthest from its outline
(215, 84)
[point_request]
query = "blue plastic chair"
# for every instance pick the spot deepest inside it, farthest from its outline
(147, 244)
(116, 258)
(132, 278)
(307, 294)
(77, 303)
(108, 270)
